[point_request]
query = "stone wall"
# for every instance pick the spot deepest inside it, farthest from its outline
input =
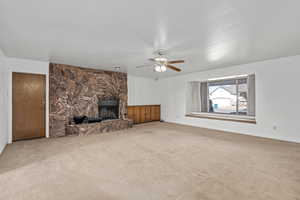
(75, 91)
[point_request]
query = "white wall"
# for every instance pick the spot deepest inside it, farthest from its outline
(142, 91)
(277, 99)
(3, 102)
(26, 66)
(277, 96)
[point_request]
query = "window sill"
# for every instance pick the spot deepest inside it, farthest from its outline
(243, 119)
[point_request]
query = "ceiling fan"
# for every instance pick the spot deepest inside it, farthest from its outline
(161, 63)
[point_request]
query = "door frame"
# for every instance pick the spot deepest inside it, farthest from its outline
(28, 71)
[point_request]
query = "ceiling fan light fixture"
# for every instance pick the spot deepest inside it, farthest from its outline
(157, 68)
(160, 68)
(161, 59)
(160, 63)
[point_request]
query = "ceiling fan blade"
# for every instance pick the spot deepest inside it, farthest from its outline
(174, 68)
(142, 66)
(176, 61)
(152, 59)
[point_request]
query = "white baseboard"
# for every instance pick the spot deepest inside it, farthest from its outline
(242, 133)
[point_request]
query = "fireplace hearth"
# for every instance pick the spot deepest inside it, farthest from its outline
(109, 120)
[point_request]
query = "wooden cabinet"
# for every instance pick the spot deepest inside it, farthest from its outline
(147, 114)
(157, 113)
(144, 113)
(131, 113)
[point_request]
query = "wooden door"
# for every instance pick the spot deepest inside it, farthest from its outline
(28, 106)
(147, 113)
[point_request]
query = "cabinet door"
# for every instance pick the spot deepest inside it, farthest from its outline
(157, 113)
(152, 113)
(137, 118)
(142, 114)
(148, 113)
(130, 112)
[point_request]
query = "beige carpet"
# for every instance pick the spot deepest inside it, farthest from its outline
(151, 161)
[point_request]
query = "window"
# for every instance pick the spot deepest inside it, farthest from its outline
(228, 96)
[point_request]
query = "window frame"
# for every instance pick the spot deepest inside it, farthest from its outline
(227, 116)
(236, 79)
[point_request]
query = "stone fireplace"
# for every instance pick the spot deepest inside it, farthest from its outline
(97, 97)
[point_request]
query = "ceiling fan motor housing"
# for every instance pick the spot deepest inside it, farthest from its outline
(160, 52)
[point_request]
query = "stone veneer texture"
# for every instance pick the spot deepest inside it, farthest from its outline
(75, 91)
(96, 128)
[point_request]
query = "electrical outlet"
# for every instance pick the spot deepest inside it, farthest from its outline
(274, 127)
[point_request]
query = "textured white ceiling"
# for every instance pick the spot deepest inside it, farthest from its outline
(105, 33)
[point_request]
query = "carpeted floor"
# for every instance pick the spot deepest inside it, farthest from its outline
(151, 161)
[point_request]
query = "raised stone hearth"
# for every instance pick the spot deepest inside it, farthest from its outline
(101, 127)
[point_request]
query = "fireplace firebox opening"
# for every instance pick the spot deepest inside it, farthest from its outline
(108, 109)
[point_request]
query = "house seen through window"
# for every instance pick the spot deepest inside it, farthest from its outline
(228, 96)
